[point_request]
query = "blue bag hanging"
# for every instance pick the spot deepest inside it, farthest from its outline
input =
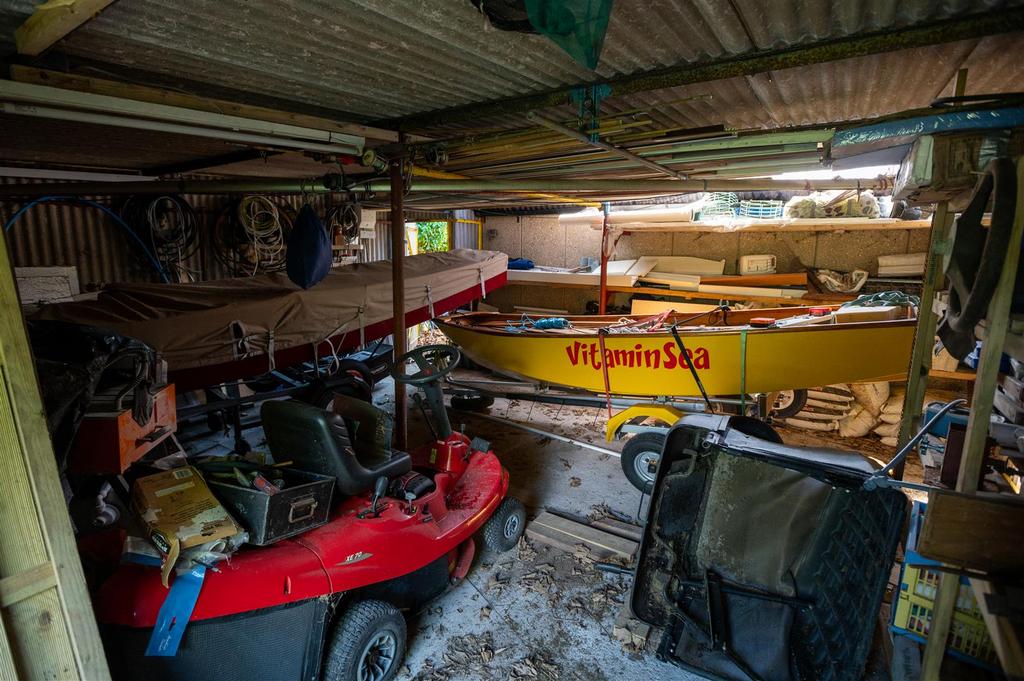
(309, 249)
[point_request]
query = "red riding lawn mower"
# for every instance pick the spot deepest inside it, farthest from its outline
(327, 603)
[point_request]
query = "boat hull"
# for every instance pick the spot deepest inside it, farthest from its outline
(729, 362)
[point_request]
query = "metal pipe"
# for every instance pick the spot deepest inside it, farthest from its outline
(629, 186)
(397, 187)
(324, 184)
(618, 151)
(174, 128)
(602, 296)
(239, 186)
(545, 433)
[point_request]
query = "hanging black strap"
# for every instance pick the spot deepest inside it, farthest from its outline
(693, 371)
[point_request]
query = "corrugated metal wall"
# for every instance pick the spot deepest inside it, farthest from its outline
(464, 234)
(60, 234)
(57, 234)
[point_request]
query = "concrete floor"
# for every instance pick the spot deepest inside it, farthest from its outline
(538, 613)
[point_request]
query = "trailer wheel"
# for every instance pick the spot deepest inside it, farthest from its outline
(789, 403)
(640, 457)
(367, 644)
(506, 526)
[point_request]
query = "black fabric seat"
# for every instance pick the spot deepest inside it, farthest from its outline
(318, 441)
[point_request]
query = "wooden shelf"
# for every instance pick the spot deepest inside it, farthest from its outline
(806, 299)
(957, 375)
(754, 226)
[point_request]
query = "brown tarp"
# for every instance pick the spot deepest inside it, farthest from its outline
(213, 322)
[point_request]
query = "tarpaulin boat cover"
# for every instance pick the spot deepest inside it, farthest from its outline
(213, 322)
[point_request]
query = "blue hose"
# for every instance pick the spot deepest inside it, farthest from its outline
(114, 216)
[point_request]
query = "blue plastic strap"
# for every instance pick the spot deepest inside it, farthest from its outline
(175, 613)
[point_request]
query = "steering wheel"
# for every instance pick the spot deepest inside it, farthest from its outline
(977, 258)
(433, 362)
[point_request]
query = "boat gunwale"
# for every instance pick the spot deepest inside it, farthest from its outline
(686, 331)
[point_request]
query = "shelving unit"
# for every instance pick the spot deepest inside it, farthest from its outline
(758, 226)
(1000, 334)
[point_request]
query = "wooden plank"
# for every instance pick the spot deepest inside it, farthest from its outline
(795, 225)
(53, 21)
(1005, 637)
(980, 531)
(7, 668)
(26, 584)
(145, 93)
(924, 336)
(619, 528)
(769, 280)
(52, 634)
(584, 540)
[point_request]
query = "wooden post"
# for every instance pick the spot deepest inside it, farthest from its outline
(602, 296)
(924, 337)
(997, 324)
(48, 628)
(398, 292)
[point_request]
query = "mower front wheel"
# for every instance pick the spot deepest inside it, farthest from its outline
(506, 526)
(368, 643)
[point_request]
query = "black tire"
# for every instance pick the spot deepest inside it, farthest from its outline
(638, 452)
(357, 369)
(471, 402)
(367, 632)
(792, 403)
(503, 530)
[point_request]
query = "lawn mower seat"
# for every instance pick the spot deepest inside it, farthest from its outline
(369, 428)
(318, 441)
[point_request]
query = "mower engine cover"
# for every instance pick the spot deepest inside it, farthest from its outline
(760, 560)
(309, 256)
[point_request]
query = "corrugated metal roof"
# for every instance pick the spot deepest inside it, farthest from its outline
(387, 58)
(384, 58)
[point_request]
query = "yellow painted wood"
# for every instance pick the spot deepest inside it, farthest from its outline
(647, 364)
(52, 21)
(26, 584)
(52, 634)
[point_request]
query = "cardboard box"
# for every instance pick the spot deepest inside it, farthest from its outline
(179, 512)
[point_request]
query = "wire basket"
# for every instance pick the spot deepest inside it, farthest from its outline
(719, 205)
(764, 209)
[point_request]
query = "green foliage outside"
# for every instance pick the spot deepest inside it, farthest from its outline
(431, 237)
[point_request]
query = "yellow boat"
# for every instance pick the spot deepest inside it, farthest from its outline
(802, 348)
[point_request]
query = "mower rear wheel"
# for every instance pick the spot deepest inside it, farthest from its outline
(368, 643)
(506, 526)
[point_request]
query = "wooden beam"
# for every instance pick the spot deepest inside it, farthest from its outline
(26, 584)
(982, 532)
(145, 93)
(53, 21)
(924, 336)
(52, 632)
